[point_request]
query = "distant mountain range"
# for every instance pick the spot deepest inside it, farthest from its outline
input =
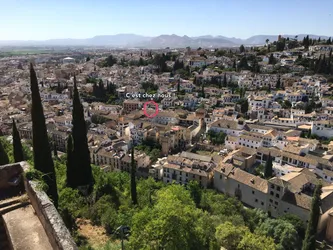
(162, 41)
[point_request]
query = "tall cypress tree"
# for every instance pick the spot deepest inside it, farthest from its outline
(81, 154)
(3, 156)
(269, 167)
(17, 145)
(203, 89)
(225, 83)
(309, 241)
(133, 180)
(278, 83)
(178, 86)
(41, 146)
(234, 66)
(70, 171)
(55, 150)
(309, 133)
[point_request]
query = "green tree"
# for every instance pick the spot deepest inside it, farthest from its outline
(240, 238)
(3, 156)
(244, 105)
(17, 145)
(195, 191)
(283, 233)
(243, 63)
(308, 108)
(256, 242)
(41, 147)
(173, 223)
(81, 153)
(309, 242)
(268, 167)
(110, 61)
(133, 178)
(271, 59)
(242, 49)
(225, 82)
(309, 134)
(216, 138)
(303, 134)
(203, 89)
(298, 224)
(278, 83)
(178, 86)
(160, 62)
(280, 44)
(286, 104)
(154, 154)
(229, 236)
(329, 41)
(253, 218)
(59, 88)
(55, 150)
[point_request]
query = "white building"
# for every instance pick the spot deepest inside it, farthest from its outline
(226, 126)
(322, 128)
(68, 60)
(260, 102)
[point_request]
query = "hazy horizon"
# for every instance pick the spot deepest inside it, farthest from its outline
(64, 38)
(43, 20)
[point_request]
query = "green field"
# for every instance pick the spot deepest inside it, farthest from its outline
(4, 52)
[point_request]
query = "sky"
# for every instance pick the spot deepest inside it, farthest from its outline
(50, 19)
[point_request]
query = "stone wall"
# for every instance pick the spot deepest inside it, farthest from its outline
(57, 233)
(59, 236)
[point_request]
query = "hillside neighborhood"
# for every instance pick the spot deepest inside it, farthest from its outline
(252, 122)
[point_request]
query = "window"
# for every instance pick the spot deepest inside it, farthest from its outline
(272, 186)
(272, 193)
(277, 196)
(238, 186)
(262, 203)
(276, 203)
(270, 200)
(220, 176)
(252, 192)
(256, 200)
(278, 188)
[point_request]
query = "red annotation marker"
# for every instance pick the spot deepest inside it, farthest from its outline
(145, 109)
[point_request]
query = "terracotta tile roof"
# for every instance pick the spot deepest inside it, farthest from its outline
(298, 199)
(250, 138)
(225, 124)
(292, 149)
(243, 177)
